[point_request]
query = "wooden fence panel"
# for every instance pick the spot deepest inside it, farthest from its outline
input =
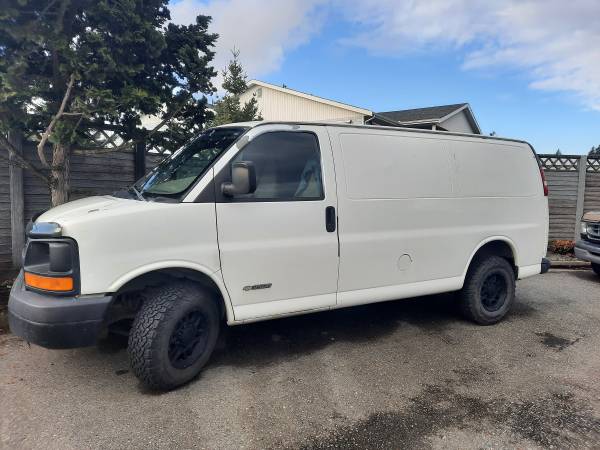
(592, 192)
(37, 197)
(562, 203)
(5, 232)
(90, 175)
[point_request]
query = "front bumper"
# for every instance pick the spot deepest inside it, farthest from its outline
(55, 322)
(587, 251)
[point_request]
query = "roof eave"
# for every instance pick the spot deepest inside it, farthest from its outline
(384, 119)
(315, 98)
(421, 122)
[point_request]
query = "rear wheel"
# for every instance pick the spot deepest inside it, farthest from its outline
(173, 334)
(596, 268)
(489, 290)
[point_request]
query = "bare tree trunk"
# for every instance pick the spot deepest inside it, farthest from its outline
(60, 175)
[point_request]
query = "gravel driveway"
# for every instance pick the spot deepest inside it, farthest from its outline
(407, 374)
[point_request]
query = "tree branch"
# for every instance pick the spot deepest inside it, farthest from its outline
(17, 160)
(86, 151)
(57, 116)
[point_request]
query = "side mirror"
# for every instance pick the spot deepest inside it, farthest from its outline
(243, 179)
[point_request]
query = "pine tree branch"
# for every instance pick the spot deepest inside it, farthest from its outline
(57, 116)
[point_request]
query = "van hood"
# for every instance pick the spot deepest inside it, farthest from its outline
(79, 209)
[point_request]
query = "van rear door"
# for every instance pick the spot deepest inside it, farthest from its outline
(278, 254)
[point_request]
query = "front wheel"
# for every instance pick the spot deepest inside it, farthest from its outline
(596, 268)
(489, 290)
(173, 334)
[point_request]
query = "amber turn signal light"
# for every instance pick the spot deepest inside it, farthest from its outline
(58, 284)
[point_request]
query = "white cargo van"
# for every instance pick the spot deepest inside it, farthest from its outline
(262, 220)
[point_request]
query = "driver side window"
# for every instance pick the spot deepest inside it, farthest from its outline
(288, 166)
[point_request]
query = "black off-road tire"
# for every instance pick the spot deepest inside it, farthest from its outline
(596, 268)
(474, 296)
(164, 309)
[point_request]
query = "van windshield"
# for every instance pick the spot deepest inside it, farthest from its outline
(180, 170)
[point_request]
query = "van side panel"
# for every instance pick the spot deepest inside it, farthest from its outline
(484, 169)
(414, 207)
(375, 169)
(502, 181)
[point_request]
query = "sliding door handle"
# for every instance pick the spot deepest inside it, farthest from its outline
(330, 219)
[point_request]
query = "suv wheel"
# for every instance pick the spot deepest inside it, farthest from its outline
(596, 268)
(489, 290)
(173, 334)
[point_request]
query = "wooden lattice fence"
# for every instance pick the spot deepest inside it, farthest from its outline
(574, 183)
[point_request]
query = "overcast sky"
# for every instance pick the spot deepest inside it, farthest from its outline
(529, 68)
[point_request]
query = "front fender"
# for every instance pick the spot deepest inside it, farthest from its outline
(215, 276)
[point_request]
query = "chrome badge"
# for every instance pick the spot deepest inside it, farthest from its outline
(257, 286)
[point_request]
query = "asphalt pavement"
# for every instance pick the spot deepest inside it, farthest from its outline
(404, 374)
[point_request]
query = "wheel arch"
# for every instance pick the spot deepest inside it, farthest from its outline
(158, 273)
(495, 245)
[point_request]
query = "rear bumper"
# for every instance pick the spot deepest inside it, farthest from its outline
(587, 251)
(55, 322)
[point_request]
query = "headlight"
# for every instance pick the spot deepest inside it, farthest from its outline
(52, 265)
(43, 230)
(584, 228)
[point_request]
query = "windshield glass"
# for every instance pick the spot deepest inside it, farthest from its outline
(179, 171)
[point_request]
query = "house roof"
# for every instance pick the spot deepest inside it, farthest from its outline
(315, 98)
(431, 115)
(418, 114)
(406, 117)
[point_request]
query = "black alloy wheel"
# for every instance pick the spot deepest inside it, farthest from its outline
(493, 291)
(188, 340)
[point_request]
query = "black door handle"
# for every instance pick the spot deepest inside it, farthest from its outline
(330, 219)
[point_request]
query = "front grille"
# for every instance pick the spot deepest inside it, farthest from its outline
(593, 230)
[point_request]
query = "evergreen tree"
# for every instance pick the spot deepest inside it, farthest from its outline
(68, 66)
(595, 152)
(229, 108)
(558, 152)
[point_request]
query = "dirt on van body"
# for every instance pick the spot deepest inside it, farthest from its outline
(409, 374)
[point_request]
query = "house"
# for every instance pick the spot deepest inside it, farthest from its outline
(281, 103)
(285, 104)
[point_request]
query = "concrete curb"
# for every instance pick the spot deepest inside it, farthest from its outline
(569, 265)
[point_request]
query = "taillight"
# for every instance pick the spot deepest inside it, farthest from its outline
(544, 182)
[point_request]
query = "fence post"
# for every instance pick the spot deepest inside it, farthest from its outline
(139, 160)
(17, 221)
(580, 194)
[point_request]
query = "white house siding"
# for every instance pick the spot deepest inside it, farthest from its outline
(276, 105)
(458, 123)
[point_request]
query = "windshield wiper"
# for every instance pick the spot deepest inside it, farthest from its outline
(137, 193)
